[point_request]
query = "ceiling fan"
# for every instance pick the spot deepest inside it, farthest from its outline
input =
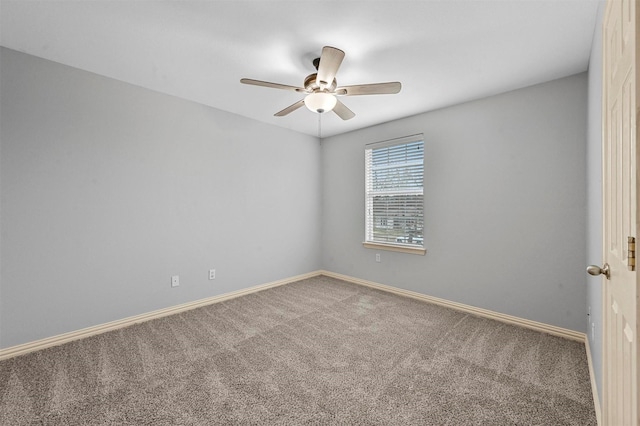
(322, 89)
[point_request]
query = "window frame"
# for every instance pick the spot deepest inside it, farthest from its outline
(390, 246)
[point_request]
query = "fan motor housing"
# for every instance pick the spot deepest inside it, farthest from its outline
(311, 85)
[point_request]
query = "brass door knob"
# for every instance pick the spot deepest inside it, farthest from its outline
(595, 270)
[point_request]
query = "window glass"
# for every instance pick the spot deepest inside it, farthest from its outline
(394, 191)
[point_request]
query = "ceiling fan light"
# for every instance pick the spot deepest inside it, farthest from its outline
(320, 102)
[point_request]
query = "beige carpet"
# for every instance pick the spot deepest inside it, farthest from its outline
(319, 351)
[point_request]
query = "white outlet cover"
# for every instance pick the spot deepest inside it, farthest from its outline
(175, 281)
(212, 274)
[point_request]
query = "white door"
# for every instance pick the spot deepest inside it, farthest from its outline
(620, 290)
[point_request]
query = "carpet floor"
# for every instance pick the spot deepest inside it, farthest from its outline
(318, 351)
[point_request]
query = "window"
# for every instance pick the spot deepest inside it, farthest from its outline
(394, 194)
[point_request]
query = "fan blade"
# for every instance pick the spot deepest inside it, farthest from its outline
(272, 85)
(290, 109)
(342, 111)
(370, 89)
(330, 61)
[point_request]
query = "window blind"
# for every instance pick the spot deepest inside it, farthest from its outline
(394, 191)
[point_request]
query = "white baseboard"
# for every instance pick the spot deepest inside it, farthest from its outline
(594, 388)
(534, 325)
(125, 322)
(48, 342)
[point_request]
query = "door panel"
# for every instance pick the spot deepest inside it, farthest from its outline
(620, 365)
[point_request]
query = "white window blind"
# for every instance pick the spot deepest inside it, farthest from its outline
(394, 191)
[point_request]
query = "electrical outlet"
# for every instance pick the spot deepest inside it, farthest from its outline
(212, 274)
(175, 281)
(593, 331)
(378, 257)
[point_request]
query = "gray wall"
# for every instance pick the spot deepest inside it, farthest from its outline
(108, 189)
(594, 200)
(504, 204)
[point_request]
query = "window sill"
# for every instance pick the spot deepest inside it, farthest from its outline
(396, 247)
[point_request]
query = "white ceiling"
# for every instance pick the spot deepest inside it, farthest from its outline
(444, 52)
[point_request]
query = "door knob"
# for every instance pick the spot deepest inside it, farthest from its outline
(595, 270)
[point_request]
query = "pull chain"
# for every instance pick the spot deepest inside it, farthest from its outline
(319, 126)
